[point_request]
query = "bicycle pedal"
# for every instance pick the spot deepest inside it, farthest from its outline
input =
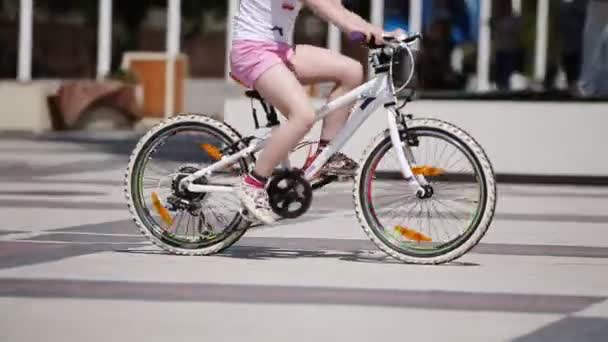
(340, 176)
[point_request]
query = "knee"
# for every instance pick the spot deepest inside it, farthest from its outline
(353, 75)
(305, 119)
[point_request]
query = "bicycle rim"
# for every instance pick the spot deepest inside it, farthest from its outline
(173, 153)
(424, 227)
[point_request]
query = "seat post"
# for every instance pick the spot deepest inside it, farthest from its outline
(254, 112)
(272, 117)
(271, 113)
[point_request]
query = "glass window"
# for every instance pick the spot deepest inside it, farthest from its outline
(138, 25)
(396, 15)
(9, 33)
(362, 8)
(311, 29)
(64, 39)
(203, 38)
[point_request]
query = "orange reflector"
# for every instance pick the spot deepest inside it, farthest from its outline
(427, 171)
(161, 210)
(410, 234)
(212, 151)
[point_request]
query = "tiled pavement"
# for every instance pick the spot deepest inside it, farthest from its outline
(74, 268)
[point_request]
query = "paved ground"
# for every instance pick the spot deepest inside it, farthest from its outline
(74, 268)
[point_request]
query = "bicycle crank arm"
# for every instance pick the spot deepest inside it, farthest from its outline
(258, 225)
(197, 188)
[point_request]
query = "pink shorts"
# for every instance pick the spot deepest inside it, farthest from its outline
(249, 59)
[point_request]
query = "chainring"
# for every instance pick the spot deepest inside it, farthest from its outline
(290, 194)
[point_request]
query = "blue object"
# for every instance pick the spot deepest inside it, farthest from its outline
(394, 23)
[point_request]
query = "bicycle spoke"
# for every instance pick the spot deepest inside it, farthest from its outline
(177, 153)
(179, 221)
(441, 218)
(444, 216)
(454, 213)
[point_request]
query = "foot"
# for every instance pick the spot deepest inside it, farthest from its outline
(255, 199)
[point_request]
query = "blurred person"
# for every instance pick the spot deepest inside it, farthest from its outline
(263, 58)
(435, 61)
(447, 37)
(571, 24)
(565, 43)
(457, 11)
(594, 72)
(507, 40)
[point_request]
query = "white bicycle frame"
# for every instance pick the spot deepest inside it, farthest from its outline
(375, 93)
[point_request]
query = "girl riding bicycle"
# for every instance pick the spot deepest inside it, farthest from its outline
(425, 191)
(264, 58)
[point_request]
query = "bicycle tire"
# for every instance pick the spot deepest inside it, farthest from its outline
(383, 141)
(150, 137)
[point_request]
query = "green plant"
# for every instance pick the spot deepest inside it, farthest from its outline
(126, 76)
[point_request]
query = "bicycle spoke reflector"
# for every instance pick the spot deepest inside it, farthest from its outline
(212, 151)
(161, 210)
(427, 171)
(412, 235)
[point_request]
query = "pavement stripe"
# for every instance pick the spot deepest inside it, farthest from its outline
(19, 253)
(50, 204)
(89, 238)
(22, 169)
(28, 181)
(552, 194)
(482, 248)
(8, 232)
(50, 193)
(552, 218)
(196, 292)
(112, 227)
(12, 203)
(542, 250)
(599, 310)
(120, 232)
(570, 329)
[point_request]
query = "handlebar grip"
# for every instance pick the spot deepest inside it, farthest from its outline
(361, 38)
(357, 37)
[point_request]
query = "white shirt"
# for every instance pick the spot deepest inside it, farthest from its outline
(266, 20)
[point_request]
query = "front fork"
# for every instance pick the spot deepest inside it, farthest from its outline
(404, 154)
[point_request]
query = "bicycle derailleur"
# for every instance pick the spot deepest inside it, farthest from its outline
(290, 194)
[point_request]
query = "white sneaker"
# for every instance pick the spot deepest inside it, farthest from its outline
(255, 200)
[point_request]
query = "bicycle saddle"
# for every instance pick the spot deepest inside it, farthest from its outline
(253, 94)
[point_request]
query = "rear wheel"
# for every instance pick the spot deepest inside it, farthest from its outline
(457, 209)
(176, 220)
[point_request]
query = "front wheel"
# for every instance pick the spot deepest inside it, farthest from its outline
(452, 217)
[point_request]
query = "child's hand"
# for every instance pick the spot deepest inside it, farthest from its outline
(398, 34)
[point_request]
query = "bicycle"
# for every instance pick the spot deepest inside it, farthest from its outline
(186, 205)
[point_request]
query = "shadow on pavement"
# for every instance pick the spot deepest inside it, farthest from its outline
(269, 253)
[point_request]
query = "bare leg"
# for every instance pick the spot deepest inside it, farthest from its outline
(313, 65)
(280, 87)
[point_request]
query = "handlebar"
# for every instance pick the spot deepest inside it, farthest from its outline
(382, 59)
(361, 38)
